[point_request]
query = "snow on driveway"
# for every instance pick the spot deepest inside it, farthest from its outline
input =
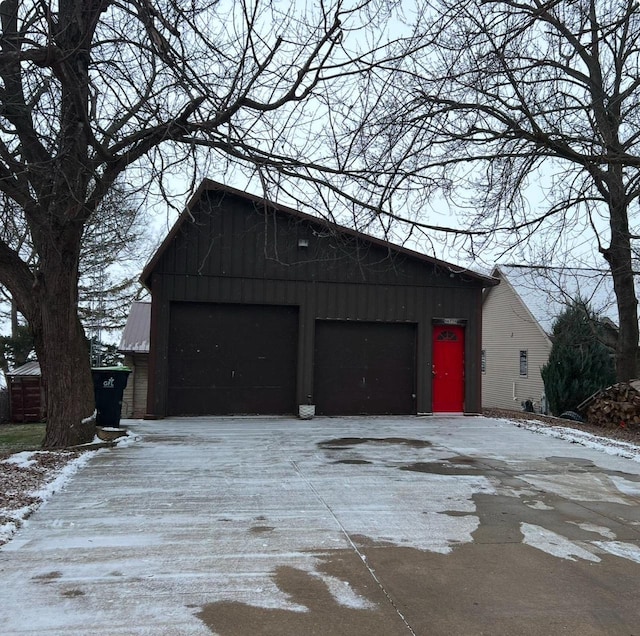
(204, 510)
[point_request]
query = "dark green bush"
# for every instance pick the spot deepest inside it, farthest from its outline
(579, 363)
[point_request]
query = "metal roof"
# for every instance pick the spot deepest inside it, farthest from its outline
(547, 291)
(30, 368)
(136, 334)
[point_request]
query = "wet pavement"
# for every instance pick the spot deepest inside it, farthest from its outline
(372, 526)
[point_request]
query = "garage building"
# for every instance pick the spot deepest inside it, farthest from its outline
(258, 309)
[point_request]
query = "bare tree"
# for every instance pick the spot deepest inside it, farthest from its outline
(92, 90)
(526, 115)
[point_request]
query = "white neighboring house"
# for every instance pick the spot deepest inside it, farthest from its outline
(518, 316)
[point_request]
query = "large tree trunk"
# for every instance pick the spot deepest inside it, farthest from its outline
(618, 256)
(61, 345)
(64, 360)
(627, 348)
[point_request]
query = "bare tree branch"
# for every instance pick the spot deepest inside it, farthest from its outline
(99, 92)
(526, 113)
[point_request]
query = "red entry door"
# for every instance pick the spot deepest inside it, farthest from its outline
(448, 369)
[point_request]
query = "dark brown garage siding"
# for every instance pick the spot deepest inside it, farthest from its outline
(227, 358)
(365, 368)
(230, 247)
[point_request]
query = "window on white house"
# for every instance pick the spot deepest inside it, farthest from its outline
(524, 363)
(483, 361)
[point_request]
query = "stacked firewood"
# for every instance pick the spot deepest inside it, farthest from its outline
(617, 406)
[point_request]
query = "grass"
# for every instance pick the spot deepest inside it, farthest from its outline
(19, 437)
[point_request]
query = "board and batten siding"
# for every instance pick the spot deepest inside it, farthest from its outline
(509, 328)
(231, 249)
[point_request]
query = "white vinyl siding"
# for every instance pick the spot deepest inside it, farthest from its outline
(134, 399)
(508, 329)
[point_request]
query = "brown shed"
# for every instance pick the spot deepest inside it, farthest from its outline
(27, 399)
(259, 308)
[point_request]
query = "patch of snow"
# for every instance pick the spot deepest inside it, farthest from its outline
(91, 418)
(591, 527)
(343, 593)
(603, 444)
(15, 520)
(538, 505)
(128, 439)
(580, 487)
(554, 544)
(21, 460)
(625, 486)
(618, 548)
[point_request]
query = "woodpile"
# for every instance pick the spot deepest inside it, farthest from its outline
(617, 406)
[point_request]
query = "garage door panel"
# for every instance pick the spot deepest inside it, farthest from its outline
(227, 359)
(226, 400)
(364, 368)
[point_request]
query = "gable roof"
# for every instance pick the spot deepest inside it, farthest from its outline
(136, 333)
(546, 291)
(209, 185)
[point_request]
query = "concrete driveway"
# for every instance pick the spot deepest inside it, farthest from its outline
(355, 526)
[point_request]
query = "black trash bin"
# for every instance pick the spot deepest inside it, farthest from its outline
(108, 385)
